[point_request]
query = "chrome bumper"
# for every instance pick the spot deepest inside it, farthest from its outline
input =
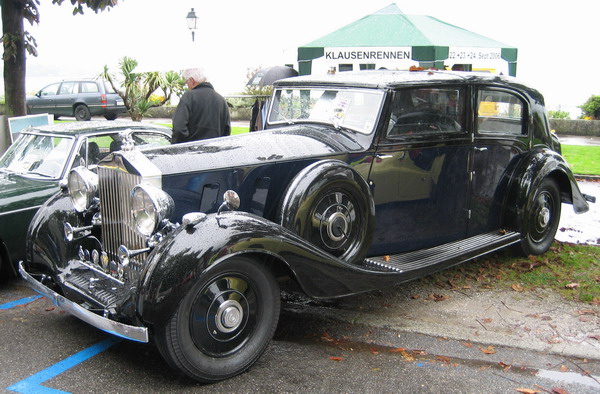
(139, 334)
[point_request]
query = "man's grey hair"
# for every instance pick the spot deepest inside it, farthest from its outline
(197, 73)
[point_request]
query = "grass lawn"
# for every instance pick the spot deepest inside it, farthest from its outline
(239, 130)
(583, 160)
(571, 270)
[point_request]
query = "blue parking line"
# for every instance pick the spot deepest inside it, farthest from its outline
(33, 384)
(20, 302)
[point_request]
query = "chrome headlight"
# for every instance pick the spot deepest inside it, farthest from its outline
(149, 207)
(82, 185)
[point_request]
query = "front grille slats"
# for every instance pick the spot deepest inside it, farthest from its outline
(115, 187)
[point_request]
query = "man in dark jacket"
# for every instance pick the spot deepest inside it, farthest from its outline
(202, 112)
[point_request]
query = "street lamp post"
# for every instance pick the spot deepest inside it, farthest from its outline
(192, 21)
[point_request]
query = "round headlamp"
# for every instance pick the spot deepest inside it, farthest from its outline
(82, 185)
(149, 207)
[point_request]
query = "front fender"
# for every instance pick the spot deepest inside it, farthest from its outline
(46, 248)
(178, 262)
(538, 165)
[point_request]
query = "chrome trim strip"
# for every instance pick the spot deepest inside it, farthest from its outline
(20, 210)
(134, 333)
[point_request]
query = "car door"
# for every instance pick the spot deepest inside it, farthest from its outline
(419, 175)
(67, 94)
(44, 100)
(500, 137)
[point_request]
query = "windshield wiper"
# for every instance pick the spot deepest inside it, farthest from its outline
(283, 117)
(37, 173)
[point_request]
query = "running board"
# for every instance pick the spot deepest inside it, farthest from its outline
(444, 255)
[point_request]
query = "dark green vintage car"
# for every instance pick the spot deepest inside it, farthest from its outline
(32, 169)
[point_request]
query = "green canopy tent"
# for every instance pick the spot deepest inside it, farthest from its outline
(391, 39)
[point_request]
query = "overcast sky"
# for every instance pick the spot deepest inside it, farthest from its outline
(557, 41)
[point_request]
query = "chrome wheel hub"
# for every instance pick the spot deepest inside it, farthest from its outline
(337, 226)
(229, 316)
(544, 217)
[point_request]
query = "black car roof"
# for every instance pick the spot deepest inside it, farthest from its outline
(389, 79)
(93, 127)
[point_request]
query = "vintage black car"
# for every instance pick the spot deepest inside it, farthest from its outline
(360, 181)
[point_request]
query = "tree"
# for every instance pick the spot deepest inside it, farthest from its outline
(559, 114)
(138, 90)
(17, 42)
(591, 108)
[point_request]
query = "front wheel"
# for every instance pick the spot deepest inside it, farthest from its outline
(542, 219)
(224, 324)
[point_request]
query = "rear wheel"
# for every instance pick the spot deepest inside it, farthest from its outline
(82, 112)
(542, 219)
(224, 324)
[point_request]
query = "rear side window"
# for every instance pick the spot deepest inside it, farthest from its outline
(500, 112)
(89, 87)
(427, 111)
(68, 88)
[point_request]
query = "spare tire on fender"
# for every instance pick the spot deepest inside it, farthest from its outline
(330, 205)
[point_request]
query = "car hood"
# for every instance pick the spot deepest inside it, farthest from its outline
(18, 192)
(268, 146)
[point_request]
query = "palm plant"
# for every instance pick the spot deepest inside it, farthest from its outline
(138, 89)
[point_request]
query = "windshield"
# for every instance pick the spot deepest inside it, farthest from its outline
(40, 155)
(353, 109)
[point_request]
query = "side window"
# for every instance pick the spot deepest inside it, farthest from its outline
(500, 112)
(97, 148)
(427, 111)
(89, 87)
(49, 90)
(68, 88)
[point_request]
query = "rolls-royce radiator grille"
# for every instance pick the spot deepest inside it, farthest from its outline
(115, 206)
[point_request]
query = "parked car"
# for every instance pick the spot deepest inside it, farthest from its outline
(32, 169)
(360, 181)
(79, 98)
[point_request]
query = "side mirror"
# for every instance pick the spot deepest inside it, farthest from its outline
(39, 94)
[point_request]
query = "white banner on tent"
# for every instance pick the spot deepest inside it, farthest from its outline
(371, 54)
(472, 55)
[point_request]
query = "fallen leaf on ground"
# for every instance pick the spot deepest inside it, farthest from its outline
(467, 344)
(517, 287)
(50, 309)
(564, 368)
(437, 297)
(488, 320)
(558, 390)
(333, 358)
(572, 286)
(398, 350)
(586, 312)
(488, 350)
(504, 366)
(443, 359)
(528, 391)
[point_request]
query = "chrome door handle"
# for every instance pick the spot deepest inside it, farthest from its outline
(481, 149)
